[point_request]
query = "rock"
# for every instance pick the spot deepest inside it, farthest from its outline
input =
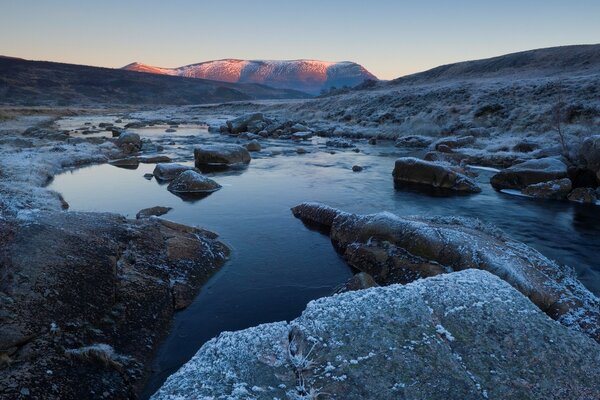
(107, 303)
(557, 189)
(463, 336)
(301, 150)
(454, 142)
(152, 211)
(340, 143)
(582, 177)
(128, 163)
(360, 281)
(155, 159)
(170, 171)
(104, 124)
(357, 168)
(413, 141)
(525, 146)
(302, 135)
(393, 249)
(221, 155)
(373, 141)
(253, 146)
(129, 142)
(192, 182)
(583, 195)
(299, 128)
(442, 148)
(148, 176)
(116, 132)
(529, 172)
(414, 170)
(240, 124)
(170, 130)
(590, 153)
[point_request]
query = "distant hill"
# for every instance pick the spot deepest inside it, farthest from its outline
(309, 76)
(24, 82)
(541, 62)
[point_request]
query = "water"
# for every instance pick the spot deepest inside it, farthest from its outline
(277, 264)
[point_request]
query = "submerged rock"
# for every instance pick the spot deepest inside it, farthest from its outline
(557, 189)
(152, 211)
(583, 195)
(467, 335)
(528, 173)
(170, 171)
(398, 250)
(223, 155)
(192, 182)
(437, 175)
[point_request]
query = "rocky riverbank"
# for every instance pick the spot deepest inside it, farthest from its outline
(85, 298)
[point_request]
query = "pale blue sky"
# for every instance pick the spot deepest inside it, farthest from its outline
(390, 38)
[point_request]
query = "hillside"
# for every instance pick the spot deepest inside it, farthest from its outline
(552, 61)
(24, 82)
(309, 76)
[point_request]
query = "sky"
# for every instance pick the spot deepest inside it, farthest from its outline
(390, 38)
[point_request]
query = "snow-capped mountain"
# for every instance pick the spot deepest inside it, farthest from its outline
(310, 76)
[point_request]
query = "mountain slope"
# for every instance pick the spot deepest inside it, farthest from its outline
(24, 82)
(532, 63)
(310, 76)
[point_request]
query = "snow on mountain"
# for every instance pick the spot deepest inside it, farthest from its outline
(310, 76)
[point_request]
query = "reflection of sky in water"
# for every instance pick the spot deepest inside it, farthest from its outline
(278, 265)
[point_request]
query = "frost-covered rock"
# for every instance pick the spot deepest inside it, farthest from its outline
(400, 249)
(557, 189)
(413, 141)
(454, 142)
(192, 182)
(221, 155)
(240, 124)
(129, 142)
(583, 195)
(169, 171)
(303, 135)
(340, 143)
(590, 152)
(467, 335)
(437, 175)
(253, 145)
(529, 172)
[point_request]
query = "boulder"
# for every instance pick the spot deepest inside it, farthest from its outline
(437, 175)
(169, 171)
(129, 142)
(590, 153)
(417, 141)
(191, 182)
(557, 189)
(240, 124)
(304, 135)
(583, 195)
(357, 168)
(221, 155)
(454, 142)
(339, 143)
(396, 249)
(254, 145)
(152, 211)
(128, 163)
(360, 281)
(466, 336)
(155, 159)
(529, 172)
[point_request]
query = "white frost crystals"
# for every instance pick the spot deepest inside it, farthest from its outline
(413, 323)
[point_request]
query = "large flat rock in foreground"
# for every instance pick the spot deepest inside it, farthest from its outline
(466, 335)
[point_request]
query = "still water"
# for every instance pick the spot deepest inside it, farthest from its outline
(277, 264)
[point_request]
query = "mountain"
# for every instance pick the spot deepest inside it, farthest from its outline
(309, 76)
(551, 61)
(24, 82)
